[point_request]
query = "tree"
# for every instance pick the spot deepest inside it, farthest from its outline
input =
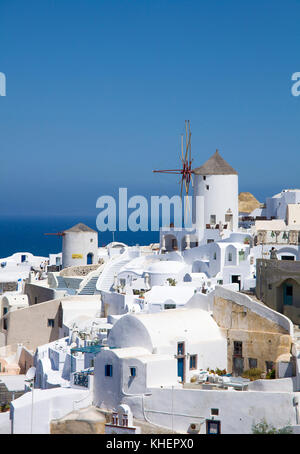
(264, 428)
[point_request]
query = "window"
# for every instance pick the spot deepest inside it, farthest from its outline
(210, 241)
(270, 286)
(5, 324)
(215, 256)
(108, 370)
(193, 362)
(125, 420)
(51, 322)
(180, 348)
(213, 218)
(115, 419)
(237, 348)
(91, 240)
(214, 411)
(132, 371)
(35, 300)
(229, 256)
(269, 365)
(92, 363)
(122, 282)
(5, 309)
(207, 187)
(213, 427)
(170, 306)
(220, 282)
(252, 363)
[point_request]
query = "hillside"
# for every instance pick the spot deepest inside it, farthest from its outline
(247, 202)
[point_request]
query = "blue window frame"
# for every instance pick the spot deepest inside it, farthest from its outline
(180, 348)
(108, 370)
(132, 371)
(213, 426)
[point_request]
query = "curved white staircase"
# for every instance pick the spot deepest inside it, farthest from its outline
(113, 267)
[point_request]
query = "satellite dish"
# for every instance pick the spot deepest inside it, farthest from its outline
(30, 373)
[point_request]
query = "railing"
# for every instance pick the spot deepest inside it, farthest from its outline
(288, 237)
(82, 378)
(90, 275)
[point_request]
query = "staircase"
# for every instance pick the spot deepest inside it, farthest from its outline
(90, 287)
(61, 284)
(113, 267)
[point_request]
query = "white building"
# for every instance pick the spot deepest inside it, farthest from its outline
(159, 349)
(214, 210)
(80, 246)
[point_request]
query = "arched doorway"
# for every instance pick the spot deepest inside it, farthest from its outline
(288, 294)
(89, 260)
(171, 243)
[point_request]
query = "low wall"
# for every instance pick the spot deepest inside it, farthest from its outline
(5, 426)
(113, 303)
(288, 384)
(48, 404)
(238, 410)
(38, 294)
(79, 271)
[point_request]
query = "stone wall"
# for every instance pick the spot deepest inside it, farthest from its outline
(83, 270)
(270, 277)
(262, 339)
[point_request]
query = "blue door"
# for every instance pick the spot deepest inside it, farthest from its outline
(288, 294)
(90, 259)
(180, 368)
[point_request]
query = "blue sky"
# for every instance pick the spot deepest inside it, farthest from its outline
(98, 91)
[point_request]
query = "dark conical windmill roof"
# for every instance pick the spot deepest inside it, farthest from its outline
(80, 228)
(216, 165)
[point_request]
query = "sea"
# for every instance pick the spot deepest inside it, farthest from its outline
(27, 234)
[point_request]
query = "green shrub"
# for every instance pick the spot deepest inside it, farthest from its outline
(253, 374)
(220, 371)
(264, 428)
(171, 281)
(271, 374)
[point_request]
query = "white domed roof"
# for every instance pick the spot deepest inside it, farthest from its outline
(165, 267)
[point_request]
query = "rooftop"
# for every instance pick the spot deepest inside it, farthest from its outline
(80, 228)
(216, 165)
